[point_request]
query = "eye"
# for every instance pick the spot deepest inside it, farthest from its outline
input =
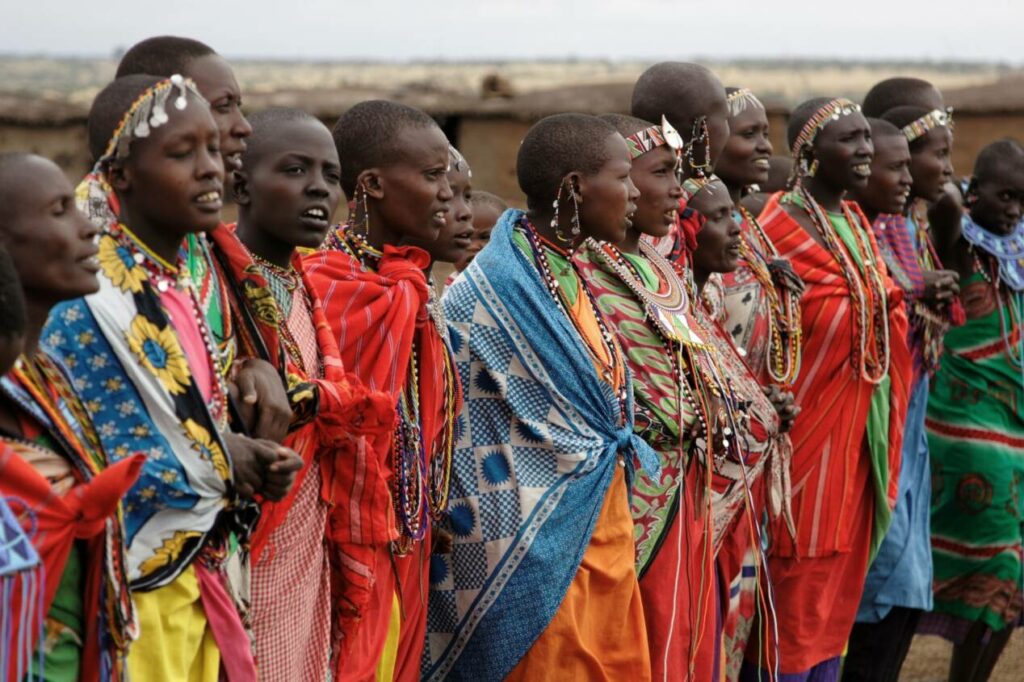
(60, 207)
(1006, 195)
(294, 170)
(333, 177)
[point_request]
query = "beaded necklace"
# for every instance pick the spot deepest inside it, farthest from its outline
(1013, 304)
(615, 369)
(784, 331)
(413, 493)
(283, 283)
(867, 290)
(165, 276)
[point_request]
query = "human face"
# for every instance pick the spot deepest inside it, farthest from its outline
(294, 188)
(216, 81)
(485, 217)
(456, 236)
(609, 196)
(412, 195)
(999, 199)
(655, 179)
(171, 184)
(718, 242)
(931, 164)
(844, 151)
(745, 159)
(889, 185)
(50, 241)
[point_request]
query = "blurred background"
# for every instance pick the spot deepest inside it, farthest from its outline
(488, 69)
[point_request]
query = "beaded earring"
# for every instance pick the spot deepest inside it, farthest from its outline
(574, 222)
(699, 134)
(813, 169)
(364, 228)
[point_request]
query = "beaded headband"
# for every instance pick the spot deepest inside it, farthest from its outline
(645, 140)
(933, 119)
(831, 111)
(147, 112)
(457, 161)
(693, 186)
(741, 100)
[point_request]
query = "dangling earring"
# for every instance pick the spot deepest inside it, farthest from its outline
(813, 170)
(554, 221)
(574, 229)
(700, 134)
(364, 229)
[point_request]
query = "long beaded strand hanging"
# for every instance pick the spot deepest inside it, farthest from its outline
(867, 291)
(784, 325)
(441, 460)
(1013, 304)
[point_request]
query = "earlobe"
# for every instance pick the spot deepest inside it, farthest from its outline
(119, 178)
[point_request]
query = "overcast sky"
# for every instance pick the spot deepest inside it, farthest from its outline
(964, 30)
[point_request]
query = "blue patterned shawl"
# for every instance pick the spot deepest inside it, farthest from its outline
(538, 444)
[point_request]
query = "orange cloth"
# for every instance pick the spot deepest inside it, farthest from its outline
(598, 632)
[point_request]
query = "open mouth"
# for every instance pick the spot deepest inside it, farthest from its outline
(439, 216)
(670, 216)
(316, 213)
(209, 200)
(862, 170)
(733, 249)
(91, 263)
(762, 164)
(233, 161)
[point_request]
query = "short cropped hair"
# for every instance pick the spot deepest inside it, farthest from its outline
(801, 115)
(367, 136)
(110, 106)
(162, 56)
(626, 125)
(556, 146)
(900, 91)
(680, 91)
(994, 157)
(482, 198)
(264, 123)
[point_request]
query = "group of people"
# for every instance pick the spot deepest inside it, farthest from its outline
(663, 423)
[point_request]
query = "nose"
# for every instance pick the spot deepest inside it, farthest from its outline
(906, 179)
(677, 190)
(734, 229)
(86, 230)
(444, 192)
(947, 168)
(764, 145)
(1013, 210)
(866, 148)
(634, 193)
(209, 164)
(317, 185)
(464, 213)
(240, 127)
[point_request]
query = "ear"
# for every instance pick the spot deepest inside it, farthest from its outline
(119, 176)
(370, 181)
(971, 195)
(240, 188)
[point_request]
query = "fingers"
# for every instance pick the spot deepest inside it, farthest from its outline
(246, 381)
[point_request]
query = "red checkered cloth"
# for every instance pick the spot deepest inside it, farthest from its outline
(291, 592)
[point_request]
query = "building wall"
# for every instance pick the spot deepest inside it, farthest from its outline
(67, 145)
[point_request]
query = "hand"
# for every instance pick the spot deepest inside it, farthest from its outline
(262, 400)
(261, 466)
(940, 287)
(784, 404)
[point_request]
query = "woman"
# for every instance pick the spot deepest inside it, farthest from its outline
(540, 582)
(391, 334)
(679, 366)
(847, 439)
(54, 474)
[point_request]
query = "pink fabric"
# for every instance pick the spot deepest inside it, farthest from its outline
(237, 664)
(183, 319)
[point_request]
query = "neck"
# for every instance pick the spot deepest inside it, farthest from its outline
(631, 244)
(542, 223)
(165, 243)
(36, 314)
(700, 278)
(263, 244)
(870, 211)
(830, 198)
(735, 191)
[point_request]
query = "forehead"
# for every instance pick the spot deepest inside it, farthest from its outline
(845, 125)
(1006, 174)
(192, 121)
(656, 158)
(752, 115)
(891, 147)
(616, 151)
(712, 199)
(32, 182)
(936, 138)
(421, 145)
(304, 137)
(213, 75)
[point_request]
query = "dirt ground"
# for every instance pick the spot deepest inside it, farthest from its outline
(928, 660)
